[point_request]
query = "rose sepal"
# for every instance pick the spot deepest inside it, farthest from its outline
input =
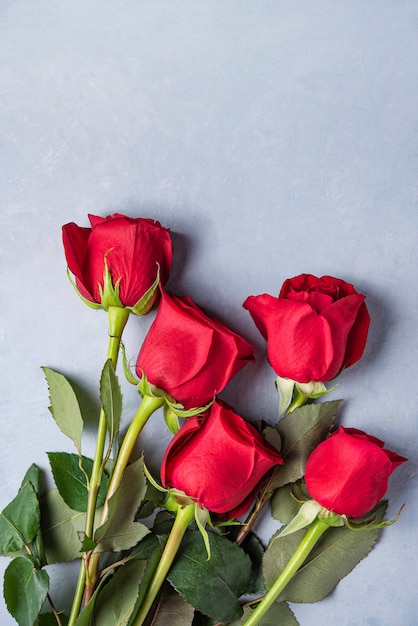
(202, 517)
(92, 305)
(147, 302)
(305, 516)
(314, 389)
(307, 513)
(131, 378)
(148, 389)
(370, 525)
(172, 410)
(311, 509)
(171, 419)
(180, 411)
(109, 293)
(294, 394)
(176, 499)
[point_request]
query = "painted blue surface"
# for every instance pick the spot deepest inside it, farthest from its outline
(273, 138)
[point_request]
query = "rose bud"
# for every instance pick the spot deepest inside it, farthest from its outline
(219, 461)
(314, 329)
(189, 355)
(348, 472)
(119, 261)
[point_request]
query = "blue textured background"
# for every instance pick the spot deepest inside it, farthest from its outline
(273, 137)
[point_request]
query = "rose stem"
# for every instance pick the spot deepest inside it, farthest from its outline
(312, 536)
(145, 410)
(255, 512)
(184, 516)
(117, 318)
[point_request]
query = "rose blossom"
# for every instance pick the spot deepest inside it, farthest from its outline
(132, 248)
(189, 355)
(348, 472)
(314, 329)
(219, 461)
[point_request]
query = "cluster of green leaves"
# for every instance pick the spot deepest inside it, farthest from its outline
(38, 530)
(338, 551)
(21, 538)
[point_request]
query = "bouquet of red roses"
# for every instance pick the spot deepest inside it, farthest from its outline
(181, 548)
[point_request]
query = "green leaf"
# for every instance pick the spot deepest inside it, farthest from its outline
(338, 551)
(60, 528)
(64, 408)
(87, 544)
(116, 602)
(301, 431)
(111, 399)
(120, 531)
(33, 476)
(152, 563)
(306, 426)
(25, 590)
(284, 506)
(213, 586)
(71, 480)
(172, 609)
(255, 550)
(155, 496)
(278, 613)
(20, 520)
(145, 548)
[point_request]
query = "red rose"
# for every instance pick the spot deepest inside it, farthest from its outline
(130, 248)
(314, 329)
(348, 472)
(219, 461)
(189, 355)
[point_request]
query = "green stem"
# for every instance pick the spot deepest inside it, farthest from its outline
(312, 536)
(184, 516)
(117, 318)
(146, 409)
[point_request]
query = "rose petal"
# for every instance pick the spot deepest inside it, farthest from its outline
(75, 240)
(341, 317)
